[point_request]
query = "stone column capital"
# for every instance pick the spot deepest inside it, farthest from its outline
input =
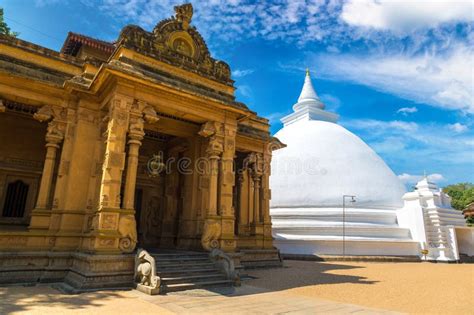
(257, 177)
(48, 112)
(136, 130)
(211, 128)
(144, 110)
(215, 147)
(55, 133)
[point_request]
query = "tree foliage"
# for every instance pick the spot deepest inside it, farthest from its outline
(4, 29)
(461, 194)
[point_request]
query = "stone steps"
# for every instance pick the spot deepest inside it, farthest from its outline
(181, 260)
(195, 285)
(191, 255)
(178, 271)
(188, 264)
(181, 271)
(197, 277)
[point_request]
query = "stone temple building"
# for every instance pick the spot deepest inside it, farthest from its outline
(107, 147)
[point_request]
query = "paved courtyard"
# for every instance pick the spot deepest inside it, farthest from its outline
(302, 287)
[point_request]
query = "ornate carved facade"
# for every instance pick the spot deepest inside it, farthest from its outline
(108, 145)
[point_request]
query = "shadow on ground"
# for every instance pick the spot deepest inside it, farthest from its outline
(294, 274)
(303, 273)
(20, 298)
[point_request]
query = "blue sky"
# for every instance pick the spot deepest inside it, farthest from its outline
(400, 73)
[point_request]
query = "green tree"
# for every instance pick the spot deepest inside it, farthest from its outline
(4, 29)
(461, 194)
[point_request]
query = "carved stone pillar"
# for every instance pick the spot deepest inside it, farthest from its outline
(140, 113)
(53, 138)
(212, 229)
(213, 153)
(226, 189)
(40, 216)
(114, 230)
(256, 199)
(265, 201)
(255, 164)
(116, 226)
(250, 197)
(136, 134)
(241, 195)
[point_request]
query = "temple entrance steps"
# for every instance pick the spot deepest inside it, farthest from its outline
(185, 270)
(440, 242)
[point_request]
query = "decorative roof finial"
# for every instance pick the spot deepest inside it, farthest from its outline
(424, 174)
(307, 72)
(184, 14)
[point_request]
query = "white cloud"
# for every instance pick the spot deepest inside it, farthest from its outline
(290, 20)
(457, 127)
(412, 179)
(241, 73)
(245, 91)
(407, 110)
(405, 16)
(381, 126)
(410, 76)
(419, 72)
(389, 145)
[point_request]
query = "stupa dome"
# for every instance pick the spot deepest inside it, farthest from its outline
(324, 161)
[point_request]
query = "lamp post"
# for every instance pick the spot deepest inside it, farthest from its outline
(344, 221)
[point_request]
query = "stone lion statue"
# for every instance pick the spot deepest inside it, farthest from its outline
(145, 270)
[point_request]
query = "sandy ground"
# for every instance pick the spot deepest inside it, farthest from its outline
(304, 287)
(404, 287)
(45, 300)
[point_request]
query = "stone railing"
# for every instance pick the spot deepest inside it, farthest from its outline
(225, 264)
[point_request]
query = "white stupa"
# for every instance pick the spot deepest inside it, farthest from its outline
(322, 162)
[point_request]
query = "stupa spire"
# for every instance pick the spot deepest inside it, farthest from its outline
(309, 105)
(308, 93)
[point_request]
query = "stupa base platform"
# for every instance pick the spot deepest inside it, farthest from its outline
(353, 258)
(352, 247)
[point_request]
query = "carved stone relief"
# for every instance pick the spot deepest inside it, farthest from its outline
(128, 233)
(211, 234)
